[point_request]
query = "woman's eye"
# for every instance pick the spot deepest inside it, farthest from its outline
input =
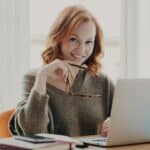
(73, 39)
(89, 42)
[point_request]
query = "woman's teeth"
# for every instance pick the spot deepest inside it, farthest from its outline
(77, 56)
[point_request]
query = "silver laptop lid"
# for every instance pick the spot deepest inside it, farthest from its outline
(130, 116)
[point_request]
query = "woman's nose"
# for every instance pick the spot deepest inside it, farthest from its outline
(81, 49)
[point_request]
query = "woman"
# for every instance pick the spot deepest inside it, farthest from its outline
(68, 95)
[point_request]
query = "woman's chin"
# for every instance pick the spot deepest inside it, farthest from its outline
(77, 62)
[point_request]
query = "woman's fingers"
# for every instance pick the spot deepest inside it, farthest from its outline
(104, 131)
(62, 73)
(71, 70)
(105, 127)
(60, 70)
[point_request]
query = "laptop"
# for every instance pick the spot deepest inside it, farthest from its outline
(130, 115)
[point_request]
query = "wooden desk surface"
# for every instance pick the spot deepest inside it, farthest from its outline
(131, 147)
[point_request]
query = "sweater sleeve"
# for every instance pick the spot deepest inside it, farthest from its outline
(33, 114)
(110, 93)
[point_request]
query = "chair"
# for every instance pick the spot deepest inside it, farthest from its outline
(4, 119)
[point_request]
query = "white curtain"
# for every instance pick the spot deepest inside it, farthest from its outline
(14, 49)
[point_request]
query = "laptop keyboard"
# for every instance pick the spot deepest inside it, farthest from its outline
(100, 139)
(95, 140)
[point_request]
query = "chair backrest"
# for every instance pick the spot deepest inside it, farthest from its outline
(4, 119)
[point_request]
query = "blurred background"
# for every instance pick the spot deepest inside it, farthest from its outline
(25, 24)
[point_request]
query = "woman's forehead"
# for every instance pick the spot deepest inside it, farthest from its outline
(85, 29)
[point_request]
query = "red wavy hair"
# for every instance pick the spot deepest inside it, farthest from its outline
(70, 18)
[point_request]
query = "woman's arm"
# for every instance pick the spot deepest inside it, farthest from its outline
(32, 114)
(110, 93)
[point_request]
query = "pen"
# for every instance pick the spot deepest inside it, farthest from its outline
(78, 66)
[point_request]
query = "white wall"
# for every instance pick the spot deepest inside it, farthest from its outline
(136, 38)
(44, 12)
(14, 49)
(143, 41)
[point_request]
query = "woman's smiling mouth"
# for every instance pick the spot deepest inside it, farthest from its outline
(77, 56)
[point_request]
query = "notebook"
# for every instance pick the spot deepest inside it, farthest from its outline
(33, 143)
(130, 121)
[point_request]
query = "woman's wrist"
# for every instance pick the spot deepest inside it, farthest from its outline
(40, 82)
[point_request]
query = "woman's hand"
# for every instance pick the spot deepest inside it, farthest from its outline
(56, 70)
(105, 127)
(59, 70)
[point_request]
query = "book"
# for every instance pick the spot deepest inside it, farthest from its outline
(35, 139)
(12, 143)
(60, 138)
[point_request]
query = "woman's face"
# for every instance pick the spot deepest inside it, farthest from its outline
(78, 46)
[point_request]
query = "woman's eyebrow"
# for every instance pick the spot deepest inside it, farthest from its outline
(88, 39)
(74, 35)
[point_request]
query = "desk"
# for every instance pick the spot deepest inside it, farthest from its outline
(131, 147)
